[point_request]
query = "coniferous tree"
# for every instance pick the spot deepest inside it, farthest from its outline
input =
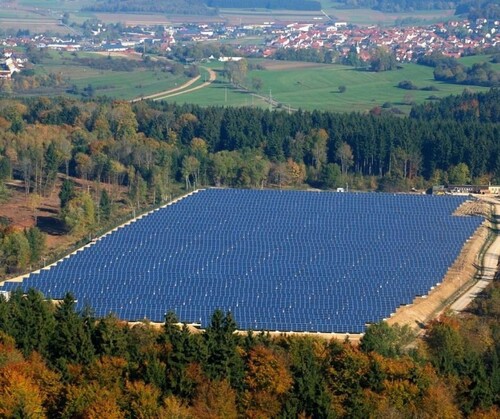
(35, 324)
(36, 240)
(67, 192)
(71, 341)
(105, 206)
(223, 361)
(109, 337)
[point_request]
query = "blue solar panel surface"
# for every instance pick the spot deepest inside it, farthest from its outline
(278, 260)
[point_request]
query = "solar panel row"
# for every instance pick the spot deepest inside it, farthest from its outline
(279, 260)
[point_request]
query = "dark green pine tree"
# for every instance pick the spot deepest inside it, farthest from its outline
(309, 395)
(71, 341)
(10, 311)
(181, 351)
(67, 192)
(36, 324)
(109, 337)
(104, 206)
(494, 366)
(36, 241)
(223, 361)
(52, 162)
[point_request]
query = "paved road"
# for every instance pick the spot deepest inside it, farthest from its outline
(490, 266)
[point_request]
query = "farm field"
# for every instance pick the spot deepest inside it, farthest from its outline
(43, 15)
(367, 17)
(283, 260)
(67, 5)
(315, 86)
(362, 17)
(118, 84)
(474, 59)
(34, 15)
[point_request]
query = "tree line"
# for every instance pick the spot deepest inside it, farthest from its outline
(119, 158)
(193, 7)
(474, 9)
(267, 4)
(56, 361)
(480, 74)
(157, 143)
(450, 70)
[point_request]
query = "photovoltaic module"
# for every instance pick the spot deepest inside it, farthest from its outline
(278, 260)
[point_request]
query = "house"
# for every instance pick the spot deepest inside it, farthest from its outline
(226, 59)
(8, 67)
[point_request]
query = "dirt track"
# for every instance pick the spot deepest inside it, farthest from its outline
(489, 269)
(175, 92)
(180, 90)
(461, 277)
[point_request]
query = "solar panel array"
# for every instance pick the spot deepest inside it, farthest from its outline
(278, 260)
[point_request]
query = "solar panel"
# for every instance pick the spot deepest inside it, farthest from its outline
(278, 260)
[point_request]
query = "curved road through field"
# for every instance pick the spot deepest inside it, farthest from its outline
(181, 89)
(175, 92)
(490, 265)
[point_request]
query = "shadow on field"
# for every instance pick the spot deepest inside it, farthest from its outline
(50, 225)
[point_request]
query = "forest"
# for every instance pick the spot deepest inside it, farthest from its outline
(193, 7)
(245, 146)
(395, 6)
(267, 4)
(135, 156)
(57, 362)
(474, 9)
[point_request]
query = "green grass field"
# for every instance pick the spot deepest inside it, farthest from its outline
(24, 14)
(66, 5)
(363, 17)
(473, 59)
(117, 84)
(366, 17)
(316, 87)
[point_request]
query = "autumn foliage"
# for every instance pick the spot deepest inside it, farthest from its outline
(96, 368)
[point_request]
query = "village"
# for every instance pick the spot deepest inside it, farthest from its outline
(454, 38)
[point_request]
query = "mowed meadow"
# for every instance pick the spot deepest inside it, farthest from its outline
(316, 86)
(125, 85)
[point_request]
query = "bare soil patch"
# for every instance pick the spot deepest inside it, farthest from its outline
(118, 54)
(17, 211)
(46, 217)
(480, 208)
(289, 65)
(459, 276)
